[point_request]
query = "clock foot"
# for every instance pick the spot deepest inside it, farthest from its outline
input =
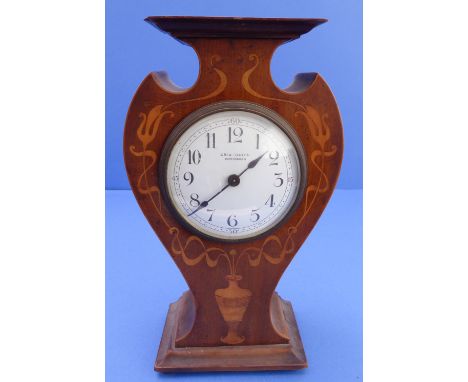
(288, 356)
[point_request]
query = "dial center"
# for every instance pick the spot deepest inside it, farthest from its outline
(233, 180)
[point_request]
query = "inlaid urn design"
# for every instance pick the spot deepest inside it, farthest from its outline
(232, 302)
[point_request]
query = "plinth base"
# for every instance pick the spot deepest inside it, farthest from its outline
(229, 358)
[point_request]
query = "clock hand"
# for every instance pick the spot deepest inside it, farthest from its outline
(233, 181)
(253, 163)
(205, 203)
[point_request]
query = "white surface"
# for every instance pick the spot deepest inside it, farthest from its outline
(415, 191)
(51, 191)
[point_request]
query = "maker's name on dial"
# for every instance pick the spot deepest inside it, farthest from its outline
(234, 156)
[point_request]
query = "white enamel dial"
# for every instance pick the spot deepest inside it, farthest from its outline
(233, 175)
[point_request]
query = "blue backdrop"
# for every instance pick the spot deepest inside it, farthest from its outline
(334, 49)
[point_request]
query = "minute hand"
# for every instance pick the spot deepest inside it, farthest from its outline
(205, 203)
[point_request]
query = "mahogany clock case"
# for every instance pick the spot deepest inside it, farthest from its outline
(231, 318)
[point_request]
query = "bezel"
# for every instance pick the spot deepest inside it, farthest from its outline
(234, 105)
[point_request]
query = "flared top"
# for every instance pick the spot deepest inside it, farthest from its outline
(187, 27)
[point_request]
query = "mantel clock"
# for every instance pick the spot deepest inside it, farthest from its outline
(232, 174)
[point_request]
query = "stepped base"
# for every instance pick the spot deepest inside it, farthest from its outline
(229, 358)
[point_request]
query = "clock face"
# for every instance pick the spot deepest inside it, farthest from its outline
(233, 174)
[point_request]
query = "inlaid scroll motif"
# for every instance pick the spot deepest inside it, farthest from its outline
(318, 129)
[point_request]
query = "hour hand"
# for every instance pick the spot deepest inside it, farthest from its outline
(254, 162)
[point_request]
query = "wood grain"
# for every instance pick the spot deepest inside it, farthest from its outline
(234, 55)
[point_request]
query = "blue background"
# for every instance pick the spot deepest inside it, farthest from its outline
(324, 282)
(134, 49)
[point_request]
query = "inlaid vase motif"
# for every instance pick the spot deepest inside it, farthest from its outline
(232, 302)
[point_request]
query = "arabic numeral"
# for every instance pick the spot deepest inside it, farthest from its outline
(194, 157)
(274, 155)
(210, 140)
(254, 216)
(232, 221)
(278, 182)
(188, 177)
(235, 134)
(211, 216)
(270, 201)
(194, 202)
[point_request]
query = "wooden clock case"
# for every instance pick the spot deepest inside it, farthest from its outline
(231, 318)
